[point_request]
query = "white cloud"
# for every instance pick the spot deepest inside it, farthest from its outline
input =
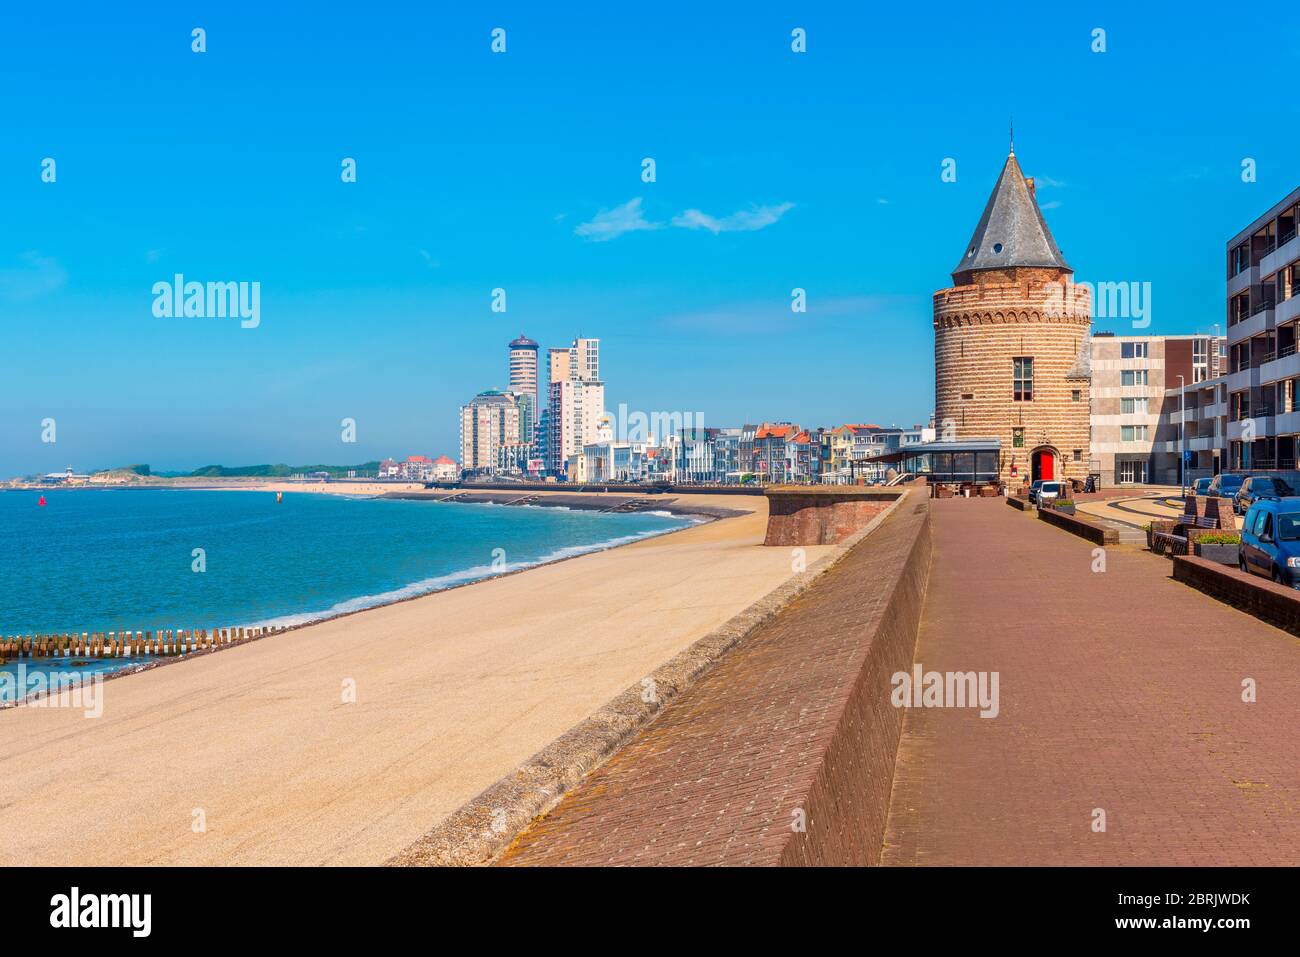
(744, 221)
(37, 276)
(611, 223)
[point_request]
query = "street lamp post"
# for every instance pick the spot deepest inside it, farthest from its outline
(1182, 435)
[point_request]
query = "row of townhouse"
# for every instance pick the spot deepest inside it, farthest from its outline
(420, 468)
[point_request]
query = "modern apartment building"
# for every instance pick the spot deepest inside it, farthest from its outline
(489, 423)
(523, 383)
(1263, 366)
(1132, 377)
(1193, 425)
(575, 402)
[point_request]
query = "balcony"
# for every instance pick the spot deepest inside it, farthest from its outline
(1287, 252)
(1244, 378)
(1287, 310)
(1264, 427)
(1260, 321)
(1243, 279)
(1285, 366)
(1288, 423)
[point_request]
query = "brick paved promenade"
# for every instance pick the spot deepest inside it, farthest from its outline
(1119, 690)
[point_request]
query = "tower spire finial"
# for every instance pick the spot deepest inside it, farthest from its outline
(1012, 134)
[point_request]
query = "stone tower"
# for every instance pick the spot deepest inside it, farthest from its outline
(1011, 342)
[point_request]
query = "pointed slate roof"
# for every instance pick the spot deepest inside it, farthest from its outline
(1012, 231)
(1082, 368)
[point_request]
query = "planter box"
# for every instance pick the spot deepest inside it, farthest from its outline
(1064, 509)
(1221, 553)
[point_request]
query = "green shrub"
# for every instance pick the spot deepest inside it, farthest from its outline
(1220, 538)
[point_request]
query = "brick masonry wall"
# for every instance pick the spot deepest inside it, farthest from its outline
(1077, 525)
(796, 722)
(821, 517)
(1268, 601)
(978, 330)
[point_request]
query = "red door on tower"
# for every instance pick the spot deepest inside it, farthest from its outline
(1044, 465)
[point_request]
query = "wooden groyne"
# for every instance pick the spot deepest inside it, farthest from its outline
(164, 643)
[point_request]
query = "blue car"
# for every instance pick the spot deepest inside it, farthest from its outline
(1201, 486)
(1270, 541)
(1226, 485)
(1258, 488)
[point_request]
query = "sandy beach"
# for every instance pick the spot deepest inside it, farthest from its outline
(453, 690)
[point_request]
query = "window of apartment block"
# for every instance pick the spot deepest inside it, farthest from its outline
(1022, 385)
(1133, 406)
(1238, 308)
(1239, 259)
(1132, 350)
(1132, 433)
(1018, 438)
(1131, 377)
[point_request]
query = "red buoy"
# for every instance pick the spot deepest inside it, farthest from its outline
(42, 501)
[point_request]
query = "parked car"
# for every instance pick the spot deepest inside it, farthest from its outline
(1270, 541)
(1045, 492)
(1033, 490)
(1225, 485)
(1258, 488)
(1201, 486)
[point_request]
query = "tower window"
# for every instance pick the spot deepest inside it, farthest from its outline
(997, 247)
(1022, 379)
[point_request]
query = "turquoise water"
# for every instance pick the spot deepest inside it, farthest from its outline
(105, 560)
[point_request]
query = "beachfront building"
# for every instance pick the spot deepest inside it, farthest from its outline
(489, 422)
(576, 410)
(575, 403)
(803, 457)
(696, 456)
(1011, 342)
(769, 458)
(1263, 317)
(445, 469)
(727, 454)
(1134, 381)
(523, 382)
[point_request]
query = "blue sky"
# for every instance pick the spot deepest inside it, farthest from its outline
(818, 170)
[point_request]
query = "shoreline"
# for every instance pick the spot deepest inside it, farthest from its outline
(283, 626)
(452, 692)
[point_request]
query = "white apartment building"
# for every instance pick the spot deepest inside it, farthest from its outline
(575, 402)
(488, 423)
